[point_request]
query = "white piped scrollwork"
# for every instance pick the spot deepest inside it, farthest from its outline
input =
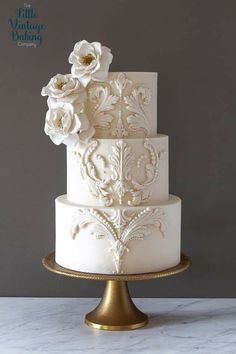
(135, 103)
(121, 161)
(120, 183)
(119, 228)
(121, 101)
(98, 187)
(104, 102)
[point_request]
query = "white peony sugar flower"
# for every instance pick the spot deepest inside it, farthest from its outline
(66, 121)
(90, 61)
(62, 124)
(64, 88)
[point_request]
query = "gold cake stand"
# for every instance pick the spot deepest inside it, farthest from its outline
(116, 310)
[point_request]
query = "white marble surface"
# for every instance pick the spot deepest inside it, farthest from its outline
(55, 325)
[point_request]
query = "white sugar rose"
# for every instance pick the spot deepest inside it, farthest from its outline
(64, 88)
(62, 124)
(90, 61)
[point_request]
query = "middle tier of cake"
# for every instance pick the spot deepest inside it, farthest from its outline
(119, 172)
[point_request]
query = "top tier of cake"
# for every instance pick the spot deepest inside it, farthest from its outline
(124, 105)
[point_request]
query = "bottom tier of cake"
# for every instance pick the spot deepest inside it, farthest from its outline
(127, 240)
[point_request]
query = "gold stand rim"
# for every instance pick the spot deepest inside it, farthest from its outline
(50, 264)
(116, 310)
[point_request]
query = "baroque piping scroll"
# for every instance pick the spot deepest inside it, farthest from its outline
(119, 228)
(120, 184)
(121, 102)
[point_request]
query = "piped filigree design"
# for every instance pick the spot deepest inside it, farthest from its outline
(135, 103)
(98, 187)
(119, 228)
(141, 190)
(120, 183)
(121, 101)
(104, 103)
(121, 161)
(120, 131)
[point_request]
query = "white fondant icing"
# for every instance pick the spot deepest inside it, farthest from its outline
(119, 172)
(120, 239)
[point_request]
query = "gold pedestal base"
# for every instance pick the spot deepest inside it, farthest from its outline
(116, 311)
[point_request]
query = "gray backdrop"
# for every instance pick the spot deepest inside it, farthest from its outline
(192, 46)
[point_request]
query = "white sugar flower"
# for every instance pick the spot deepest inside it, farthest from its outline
(62, 124)
(90, 61)
(64, 88)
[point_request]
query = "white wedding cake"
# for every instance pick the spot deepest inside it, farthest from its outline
(117, 216)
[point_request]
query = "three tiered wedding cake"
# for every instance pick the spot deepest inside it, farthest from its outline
(117, 216)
